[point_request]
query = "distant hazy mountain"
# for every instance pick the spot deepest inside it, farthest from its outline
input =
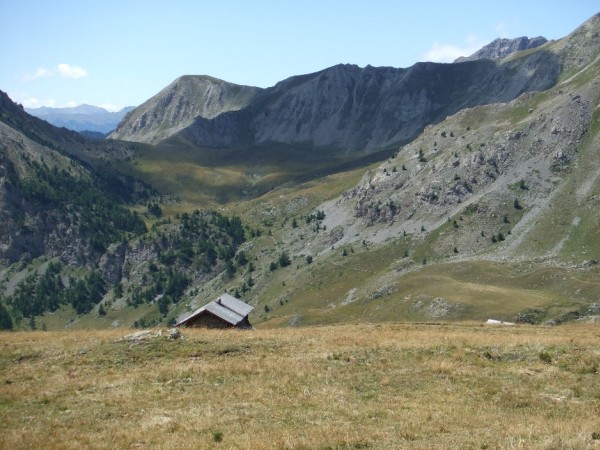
(499, 48)
(82, 117)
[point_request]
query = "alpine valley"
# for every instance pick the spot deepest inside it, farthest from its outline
(439, 192)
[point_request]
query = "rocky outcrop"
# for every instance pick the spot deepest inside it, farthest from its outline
(499, 48)
(112, 262)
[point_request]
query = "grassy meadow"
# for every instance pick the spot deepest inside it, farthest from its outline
(460, 385)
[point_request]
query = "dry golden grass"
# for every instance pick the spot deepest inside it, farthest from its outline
(342, 387)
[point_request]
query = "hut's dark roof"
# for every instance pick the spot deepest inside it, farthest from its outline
(234, 304)
(226, 307)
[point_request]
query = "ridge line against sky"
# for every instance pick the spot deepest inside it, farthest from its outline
(118, 53)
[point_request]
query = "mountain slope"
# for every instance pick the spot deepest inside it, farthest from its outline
(36, 129)
(68, 233)
(93, 151)
(52, 204)
(177, 105)
(529, 148)
(353, 109)
(82, 117)
(317, 124)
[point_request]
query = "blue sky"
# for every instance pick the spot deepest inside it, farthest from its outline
(115, 53)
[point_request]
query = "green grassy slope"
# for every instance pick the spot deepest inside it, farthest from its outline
(214, 176)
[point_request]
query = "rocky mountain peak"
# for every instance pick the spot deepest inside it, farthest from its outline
(177, 105)
(499, 48)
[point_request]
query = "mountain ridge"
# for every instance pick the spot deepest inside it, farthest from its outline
(343, 107)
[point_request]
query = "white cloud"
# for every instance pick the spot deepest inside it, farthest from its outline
(66, 70)
(31, 102)
(70, 71)
(110, 107)
(444, 53)
(28, 101)
(41, 72)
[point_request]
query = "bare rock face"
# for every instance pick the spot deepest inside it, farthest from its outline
(499, 48)
(111, 263)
